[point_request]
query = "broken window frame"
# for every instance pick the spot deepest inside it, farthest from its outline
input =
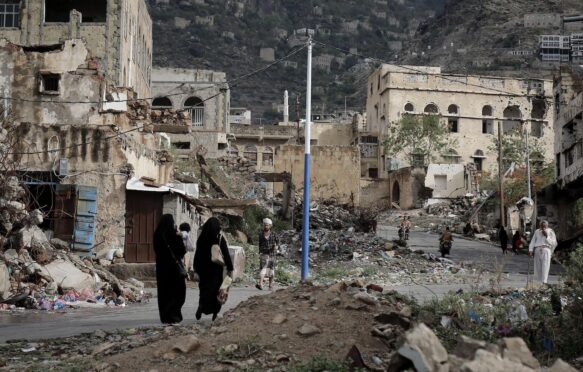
(181, 145)
(537, 129)
(453, 125)
(44, 82)
(9, 10)
(487, 126)
(78, 5)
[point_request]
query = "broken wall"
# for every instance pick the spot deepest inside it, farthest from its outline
(375, 193)
(406, 187)
(330, 134)
(447, 180)
(335, 171)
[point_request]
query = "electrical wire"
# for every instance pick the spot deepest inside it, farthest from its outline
(226, 84)
(441, 76)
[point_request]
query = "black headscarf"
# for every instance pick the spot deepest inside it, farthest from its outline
(210, 233)
(165, 231)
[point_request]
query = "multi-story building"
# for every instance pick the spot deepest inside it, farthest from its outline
(117, 32)
(555, 48)
(202, 93)
(577, 48)
(472, 106)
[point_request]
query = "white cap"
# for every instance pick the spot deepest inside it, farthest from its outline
(267, 221)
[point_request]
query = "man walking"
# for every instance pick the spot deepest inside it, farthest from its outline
(542, 245)
(268, 245)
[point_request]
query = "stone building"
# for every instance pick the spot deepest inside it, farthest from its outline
(116, 32)
(472, 106)
(205, 95)
(78, 149)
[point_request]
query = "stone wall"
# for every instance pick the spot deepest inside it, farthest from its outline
(375, 193)
(335, 171)
(406, 187)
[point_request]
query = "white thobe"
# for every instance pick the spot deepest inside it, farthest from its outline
(543, 248)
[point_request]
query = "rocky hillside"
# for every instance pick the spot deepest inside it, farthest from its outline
(229, 35)
(489, 36)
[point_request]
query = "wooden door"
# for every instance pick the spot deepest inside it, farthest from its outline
(143, 211)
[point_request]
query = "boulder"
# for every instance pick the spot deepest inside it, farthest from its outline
(466, 347)
(424, 350)
(60, 244)
(4, 281)
(516, 350)
(309, 330)
(238, 258)
(34, 236)
(67, 275)
(485, 361)
(561, 366)
(186, 344)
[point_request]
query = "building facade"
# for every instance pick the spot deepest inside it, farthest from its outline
(205, 95)
(116, 32)
(472, 106)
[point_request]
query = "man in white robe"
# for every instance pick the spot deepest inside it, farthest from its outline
(542, 245)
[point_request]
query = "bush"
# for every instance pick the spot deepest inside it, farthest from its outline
(574, 267)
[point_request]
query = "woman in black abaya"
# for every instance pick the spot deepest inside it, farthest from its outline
(171, 284)
(209, 273)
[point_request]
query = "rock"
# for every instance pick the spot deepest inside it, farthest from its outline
(366, 298)
(424, 350)
(279, 319)
(238, 258)
(485, 361)
(100, 334)
(455, 363)
(466, 347)
(336, 301)
(516, 350)
(561, 366)
(36, 217)
(374, 287)
(309, 330)
(4, 281)
(103, 348)
(136, 283)
(406, 311)
(228, 349)
(118, 253)
(393, 318)
(60, 244)
(187, 344)
(67, 275)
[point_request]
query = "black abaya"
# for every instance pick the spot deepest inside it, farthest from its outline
(171, 285)
(210, 274)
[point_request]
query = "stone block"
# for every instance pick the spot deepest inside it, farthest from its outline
(561, 366)
(68, 275)
(424, 350)
(516, 350)
(4, 281)
(466, 347)
(238, 258)
(485, 361)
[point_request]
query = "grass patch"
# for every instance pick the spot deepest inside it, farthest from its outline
(334, 272)
(370, 271)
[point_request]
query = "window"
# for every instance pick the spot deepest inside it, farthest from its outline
(181, 145)
(196, 106)
(453, 110)
(539, 108)
(418, 160)
(267, 157)
(558, 164)
(487, 110)
(487, 126)
(373, 172)
(512, 120)
(161, 102)
(536, 129)
(431, 109)
(569, 157)
(409, 107)
(452, 123)
(440, 182)
(369, 139)
(250, 154)
(49, 83)
(451, 156)
(478, 162)
(9, 13)
(91, 11)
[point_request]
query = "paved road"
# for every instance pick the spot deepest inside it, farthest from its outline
(42, 325)
(39, 325)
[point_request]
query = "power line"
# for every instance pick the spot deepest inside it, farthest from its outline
(441, 76)
(226, 83)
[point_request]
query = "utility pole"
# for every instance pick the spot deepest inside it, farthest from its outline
(299, 117)
(501, 174)
(528, 165)
(307, 135)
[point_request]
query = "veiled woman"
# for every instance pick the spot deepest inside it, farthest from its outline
(169, 248)
(210, 274)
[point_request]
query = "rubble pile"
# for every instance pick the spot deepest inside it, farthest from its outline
(40, 276)
(239, 165)
(170, 117)
(334, 216)
(335, 243)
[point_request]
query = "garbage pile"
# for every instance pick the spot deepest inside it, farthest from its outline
(40, 274)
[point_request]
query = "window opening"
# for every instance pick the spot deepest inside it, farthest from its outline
(487, 126)
(453, 109)
(196, 106)
(431, 109)
(487, 110)
(94, 11)
(50, 83)
(9, 13)
(161, 102)
(453, 125)
(409, 107)
(181, 145)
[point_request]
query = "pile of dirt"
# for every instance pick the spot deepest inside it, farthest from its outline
(334, 216)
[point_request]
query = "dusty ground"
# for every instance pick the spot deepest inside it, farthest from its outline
(263, 332)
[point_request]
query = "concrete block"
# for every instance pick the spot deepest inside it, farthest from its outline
(67, 275)
(238, 257)
(4, 281)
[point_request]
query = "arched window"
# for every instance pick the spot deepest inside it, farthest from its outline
(539, 109)
(161, 103)
(431, 109)
(196, 106)
(409, 107)
(267, 156)
(453, 110)
(250, 154)
(452, 156)
(487, 110)
(479, 160)
(512, 120)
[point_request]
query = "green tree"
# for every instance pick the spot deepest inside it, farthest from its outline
(419, 138)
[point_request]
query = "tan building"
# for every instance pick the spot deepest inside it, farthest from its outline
(471, 105)
(116, 32)
(205, 95)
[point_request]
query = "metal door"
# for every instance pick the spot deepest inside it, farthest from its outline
(83, 238)
(143, 212)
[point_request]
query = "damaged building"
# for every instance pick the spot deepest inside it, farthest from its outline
(471, 106)
(71, 82)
